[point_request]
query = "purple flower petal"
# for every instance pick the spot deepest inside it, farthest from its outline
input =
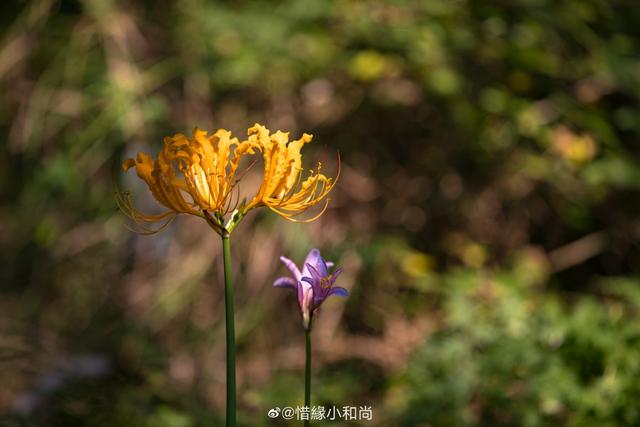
(318, 291)
(339, 291)
(285, 282)
(322, 267)
(313, 258)
(314, 273)
(300, 294)
(335, 274)
(315, 285)
(291, 266)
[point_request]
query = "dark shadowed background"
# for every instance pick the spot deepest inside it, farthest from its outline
(487, 216)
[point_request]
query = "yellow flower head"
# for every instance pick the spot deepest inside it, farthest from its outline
(197, 176)
(282, 190)
(192, 176)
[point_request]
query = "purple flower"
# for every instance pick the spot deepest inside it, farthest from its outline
(313, 284)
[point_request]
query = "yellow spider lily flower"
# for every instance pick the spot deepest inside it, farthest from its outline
(281, 190)
(197, 176)
(191, 176)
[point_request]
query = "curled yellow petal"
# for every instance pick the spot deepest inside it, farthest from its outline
(128, 164)
(281, 190)
(190, 175)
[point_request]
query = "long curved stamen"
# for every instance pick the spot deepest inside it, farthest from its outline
(124, 203)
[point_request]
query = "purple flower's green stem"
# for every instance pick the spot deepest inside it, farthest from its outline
(307, 376)
(231, 340)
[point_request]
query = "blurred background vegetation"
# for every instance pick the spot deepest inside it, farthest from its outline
(486, 216)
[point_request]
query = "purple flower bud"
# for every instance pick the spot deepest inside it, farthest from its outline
(313, 284)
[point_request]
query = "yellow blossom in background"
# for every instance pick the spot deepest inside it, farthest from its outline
(577, 149)
(282, 189)
(369, 65)
(417, 264)
(191, 176)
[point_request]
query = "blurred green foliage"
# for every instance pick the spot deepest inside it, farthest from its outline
(487, 215)
(512, 357)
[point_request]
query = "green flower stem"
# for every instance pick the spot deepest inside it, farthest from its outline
(307, 376)
(231, 340)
